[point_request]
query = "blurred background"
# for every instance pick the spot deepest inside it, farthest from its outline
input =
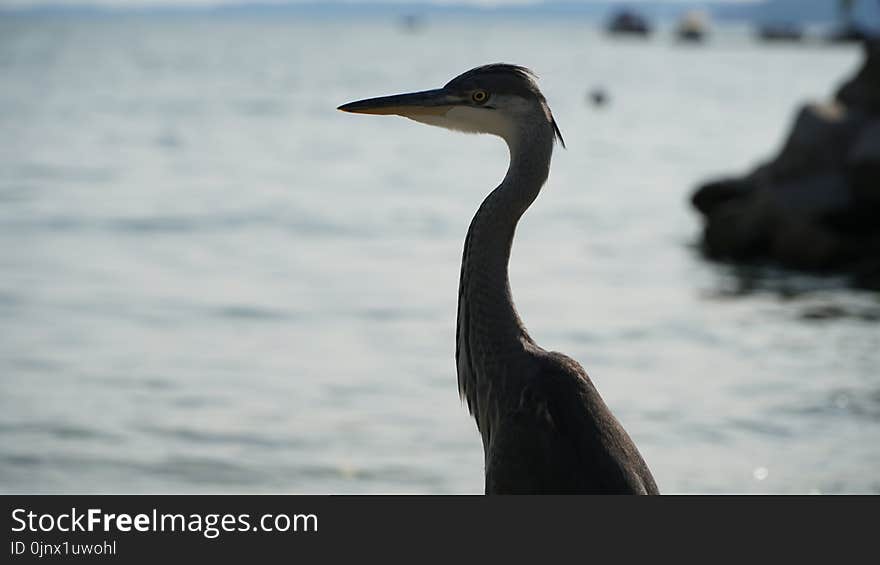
(212, 281)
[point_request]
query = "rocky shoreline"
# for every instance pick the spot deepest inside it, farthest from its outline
(816, 205)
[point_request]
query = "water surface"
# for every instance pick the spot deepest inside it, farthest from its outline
(214, 282)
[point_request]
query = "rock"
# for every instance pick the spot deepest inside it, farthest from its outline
(864, 167)
(868, 275)
(748, 220)
(736, 231)
(863, 90)
(799, 243)
(867, 146)
(816, 205)
(812, 197)
(719, 192)
(819, 140)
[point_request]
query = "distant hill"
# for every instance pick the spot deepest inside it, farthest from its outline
(866, 12)
(588, 8)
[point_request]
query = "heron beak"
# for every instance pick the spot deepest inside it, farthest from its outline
(429, 102)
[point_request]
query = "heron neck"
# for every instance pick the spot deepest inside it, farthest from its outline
(490, 333)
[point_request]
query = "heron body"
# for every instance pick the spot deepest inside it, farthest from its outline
(544, 426)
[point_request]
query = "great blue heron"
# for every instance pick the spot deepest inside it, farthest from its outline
(545, 428)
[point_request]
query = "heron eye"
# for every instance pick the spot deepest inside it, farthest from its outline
(480, 96)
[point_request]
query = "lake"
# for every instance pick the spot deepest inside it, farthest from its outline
(212, 281)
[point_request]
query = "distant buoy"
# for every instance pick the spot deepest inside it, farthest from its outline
(598, 97)
(412, 23)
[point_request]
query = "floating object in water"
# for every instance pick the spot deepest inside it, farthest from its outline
(598, 96)
(412, 23)
(693, 26)
(780, 32)
(627, 22)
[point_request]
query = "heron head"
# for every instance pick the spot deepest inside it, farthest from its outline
(498, 99)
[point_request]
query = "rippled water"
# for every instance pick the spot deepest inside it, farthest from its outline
(213, 281)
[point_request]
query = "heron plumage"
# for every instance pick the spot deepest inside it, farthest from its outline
(544, 426)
